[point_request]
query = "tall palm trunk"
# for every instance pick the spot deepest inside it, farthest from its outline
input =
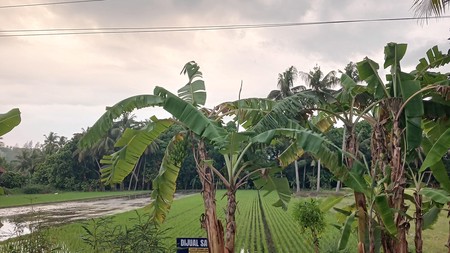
(318, 175)
(231, 220)
(213, 226)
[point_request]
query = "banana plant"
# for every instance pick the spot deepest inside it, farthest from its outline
(397, 126)
(202, 126)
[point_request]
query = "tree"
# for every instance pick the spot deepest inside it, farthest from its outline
(320, 83)
(286, 88)
(396, 110)
(426, 8)
(52, 143)
(285, 84)
(310, 217)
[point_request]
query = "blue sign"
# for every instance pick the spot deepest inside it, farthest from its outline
(192, 243)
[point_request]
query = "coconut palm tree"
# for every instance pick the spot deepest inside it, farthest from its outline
(286, 88)
(427, 8)
(320, 83)
(51, 143)
(285, 84)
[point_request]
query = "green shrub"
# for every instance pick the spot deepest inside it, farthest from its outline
(12, 180)
(37, 189)
(144, 236)
(310, 217)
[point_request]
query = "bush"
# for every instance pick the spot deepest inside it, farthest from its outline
(310, 217)
(12, 180)
(144, 236)
(37, 189)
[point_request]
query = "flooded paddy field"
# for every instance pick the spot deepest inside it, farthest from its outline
(16, 221)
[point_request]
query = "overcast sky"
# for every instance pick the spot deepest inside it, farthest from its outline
(63, 83)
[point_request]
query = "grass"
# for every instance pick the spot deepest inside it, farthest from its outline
(183, 221)
(31, 199)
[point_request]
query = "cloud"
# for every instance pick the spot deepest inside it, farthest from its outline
(63, 83)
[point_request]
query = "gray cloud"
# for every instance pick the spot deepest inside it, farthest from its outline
(63, 83)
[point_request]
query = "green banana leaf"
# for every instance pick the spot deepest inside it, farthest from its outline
(194, 92)
(164, 185)
(414, 112)
(368, 71)
(316, 144)
(133, 143)
(190, 116)
(9, 120)
(330, 202)
(393, 54)
(248, 112)
(295, 107)
(439, 196)
(293, 152)
(440, 147)
(279, 185)
(430, 218)
(438, 169)
(346, 230)
(434, 59)
(105, 122)
(386, 213)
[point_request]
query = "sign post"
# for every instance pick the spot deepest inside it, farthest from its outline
(192, 245)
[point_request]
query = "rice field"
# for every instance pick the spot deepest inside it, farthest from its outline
(261, 227)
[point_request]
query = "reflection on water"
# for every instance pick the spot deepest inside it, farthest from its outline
(12, 229)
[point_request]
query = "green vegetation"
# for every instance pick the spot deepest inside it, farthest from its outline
(27, 199)
(395, 133)
(283, 233)
(310, 218)
(269, 229)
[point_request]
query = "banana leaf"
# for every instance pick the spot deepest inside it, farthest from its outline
(346, 230)
(271, 183)
(164, 185)
(386, 214)
(194, 92)
(439, 196)
(133, 143)
(9, 120)
(105, 122)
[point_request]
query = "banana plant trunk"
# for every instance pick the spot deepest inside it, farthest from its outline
(419, 222)
(351, 146)
(379, 147)
(399, 180)
(231, 221)
(213, 226)
(448, 240)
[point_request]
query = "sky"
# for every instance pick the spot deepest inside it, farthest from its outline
(63, 84)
